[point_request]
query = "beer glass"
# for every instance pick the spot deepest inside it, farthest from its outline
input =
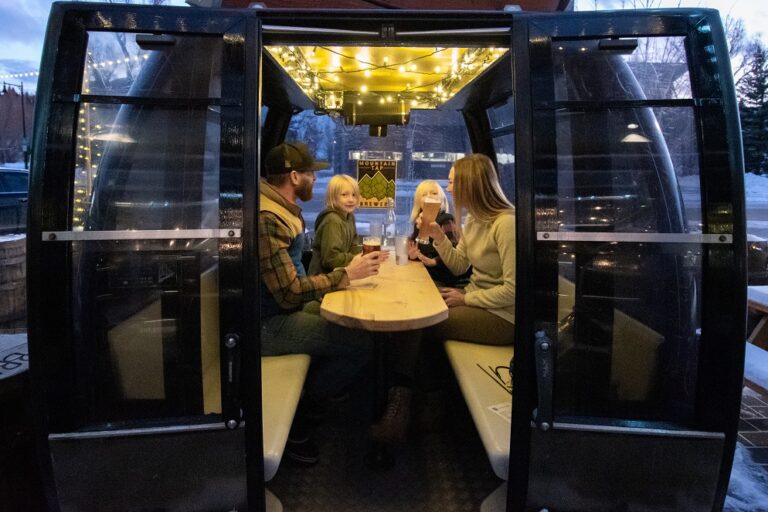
(430, 207)
(371, 244)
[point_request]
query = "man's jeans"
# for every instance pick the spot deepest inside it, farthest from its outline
(337, 353)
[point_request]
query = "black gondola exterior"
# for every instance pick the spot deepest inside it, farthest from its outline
(715, 363)
(70, 357)
(64, 345)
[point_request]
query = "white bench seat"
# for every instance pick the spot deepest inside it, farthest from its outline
(282, 378)
(481, 392)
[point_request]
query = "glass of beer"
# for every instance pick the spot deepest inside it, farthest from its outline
(371, 244)
(430, 207)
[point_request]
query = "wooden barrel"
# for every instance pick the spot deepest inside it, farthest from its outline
(13, 280)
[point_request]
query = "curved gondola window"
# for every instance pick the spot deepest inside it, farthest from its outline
(157, 65)
(147, 159)
(501, 118)
(628, 312)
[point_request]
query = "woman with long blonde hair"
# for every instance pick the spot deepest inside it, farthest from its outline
(484, 311)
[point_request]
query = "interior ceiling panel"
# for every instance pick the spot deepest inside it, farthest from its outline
(423, 76)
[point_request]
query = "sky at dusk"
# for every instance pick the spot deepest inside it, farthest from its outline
(24, 21)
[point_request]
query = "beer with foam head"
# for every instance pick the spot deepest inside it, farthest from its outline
(371, 244)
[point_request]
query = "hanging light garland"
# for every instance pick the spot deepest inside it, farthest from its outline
(20, 75)
(89, 145)
(329, 87)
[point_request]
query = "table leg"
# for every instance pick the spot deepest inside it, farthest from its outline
(379, 456)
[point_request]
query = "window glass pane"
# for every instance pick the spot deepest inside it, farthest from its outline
(628, 313)
(627, 69)
(651, 161)
(628, 338)
(425, 148)
(504, 145)
(146, 309)
(502, 115)
(166, 66)
(147, 312)
(146, 167)
(15, 181)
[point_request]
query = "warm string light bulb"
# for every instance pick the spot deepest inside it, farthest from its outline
(319, 83)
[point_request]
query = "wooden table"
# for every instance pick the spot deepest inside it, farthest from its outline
(399, 298)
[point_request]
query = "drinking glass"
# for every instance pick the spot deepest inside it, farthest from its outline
(371, 244)
(430, 207)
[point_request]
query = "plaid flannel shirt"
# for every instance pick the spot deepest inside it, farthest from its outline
(289, 289)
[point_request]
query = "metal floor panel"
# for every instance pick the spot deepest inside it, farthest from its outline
(443, 471)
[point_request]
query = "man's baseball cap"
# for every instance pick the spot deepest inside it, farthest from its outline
(292, 156)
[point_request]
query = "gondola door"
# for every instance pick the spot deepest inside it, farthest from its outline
(631, 263)
(141, 277)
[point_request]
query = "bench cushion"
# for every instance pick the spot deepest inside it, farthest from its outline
(282, 378)
(481, 392)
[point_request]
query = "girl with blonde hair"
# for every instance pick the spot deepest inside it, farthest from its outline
(335, 241)
(424, 251)
(428, 188)
(484, 311)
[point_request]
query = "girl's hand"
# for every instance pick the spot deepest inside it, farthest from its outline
(452, 296)
(413, 250)
(428, 262)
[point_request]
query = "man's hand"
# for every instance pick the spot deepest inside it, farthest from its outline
(365, 265)
(452, 296)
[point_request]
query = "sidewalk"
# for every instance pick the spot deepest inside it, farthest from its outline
(753, 427)
(748, 488)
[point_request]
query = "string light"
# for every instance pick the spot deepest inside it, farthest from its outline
(318, 84)
(20, 75)
(89, 144)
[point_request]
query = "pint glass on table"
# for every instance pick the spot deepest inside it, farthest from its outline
(371, 244)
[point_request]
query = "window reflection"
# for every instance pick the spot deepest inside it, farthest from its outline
(133, 172)
(651, 68)
(425, 148)
(161, 66)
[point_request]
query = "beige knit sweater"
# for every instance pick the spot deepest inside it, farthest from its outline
(489, 247)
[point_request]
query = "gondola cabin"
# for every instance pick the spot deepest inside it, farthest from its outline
(616, 136)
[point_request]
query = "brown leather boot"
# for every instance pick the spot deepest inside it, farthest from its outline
(393, 424)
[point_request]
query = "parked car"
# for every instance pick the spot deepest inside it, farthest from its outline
(14, 184)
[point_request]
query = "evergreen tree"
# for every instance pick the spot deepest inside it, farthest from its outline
(753, 109)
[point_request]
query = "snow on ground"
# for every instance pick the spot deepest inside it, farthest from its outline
(748, 489)
(755, 189)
